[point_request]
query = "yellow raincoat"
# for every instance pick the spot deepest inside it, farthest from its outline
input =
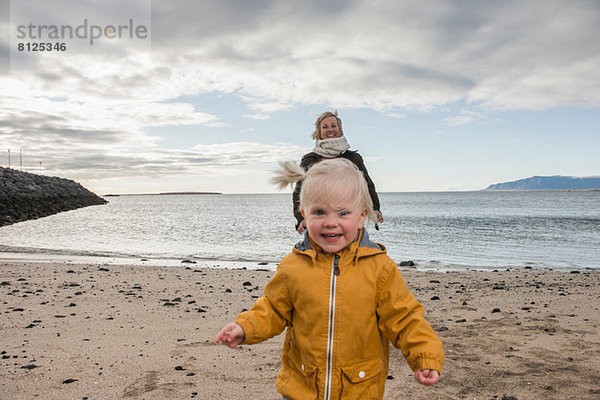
(341, 311)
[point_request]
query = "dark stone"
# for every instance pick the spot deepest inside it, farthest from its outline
(495, 310)
(70, 380)
(29, 367)
(227, 290)
(435, 298)
(188, 262)
(25, 196)
(246, 284)
(407, 264)
(263, 263)
(179, 368)
(505, 397)
(390, 377)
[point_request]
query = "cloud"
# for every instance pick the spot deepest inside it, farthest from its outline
(94, 107)
(353, 54)
(101, 162)
(466, 117)
(458, 120)
(392, 56)
(257, 116)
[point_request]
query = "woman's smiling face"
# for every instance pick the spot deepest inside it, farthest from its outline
(329, 128)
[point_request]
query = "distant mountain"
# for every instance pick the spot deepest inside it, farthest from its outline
(556, 182)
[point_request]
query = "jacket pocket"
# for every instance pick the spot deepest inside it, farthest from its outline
(297, 380)
(359, 380)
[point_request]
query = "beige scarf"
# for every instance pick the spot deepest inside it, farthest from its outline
(331, 148)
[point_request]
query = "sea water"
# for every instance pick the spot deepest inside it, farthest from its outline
(555, 229)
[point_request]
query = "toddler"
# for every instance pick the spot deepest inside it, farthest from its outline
(341, 298)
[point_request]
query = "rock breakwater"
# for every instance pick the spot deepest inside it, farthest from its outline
(25, 196)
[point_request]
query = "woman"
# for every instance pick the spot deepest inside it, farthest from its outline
(330, 142)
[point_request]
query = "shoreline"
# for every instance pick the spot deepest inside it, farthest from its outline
(99, 260)
(57, 256)
(145, 332)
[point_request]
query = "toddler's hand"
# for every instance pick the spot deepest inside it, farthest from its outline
(231, 335)
(427, 377)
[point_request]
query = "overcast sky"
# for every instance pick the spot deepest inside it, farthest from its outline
(435, 95)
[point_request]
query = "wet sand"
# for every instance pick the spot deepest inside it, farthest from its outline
(84, 331)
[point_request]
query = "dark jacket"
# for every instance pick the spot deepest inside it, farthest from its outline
(311, 158)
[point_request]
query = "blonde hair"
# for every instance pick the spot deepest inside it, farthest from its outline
(317, 132)
(328, 180)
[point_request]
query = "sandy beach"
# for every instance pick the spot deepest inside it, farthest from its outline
(85, 331)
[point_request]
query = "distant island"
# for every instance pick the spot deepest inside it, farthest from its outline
(556, 182)
(187, 193)
(160, 194)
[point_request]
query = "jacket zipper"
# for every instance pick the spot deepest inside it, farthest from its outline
(335, 271)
